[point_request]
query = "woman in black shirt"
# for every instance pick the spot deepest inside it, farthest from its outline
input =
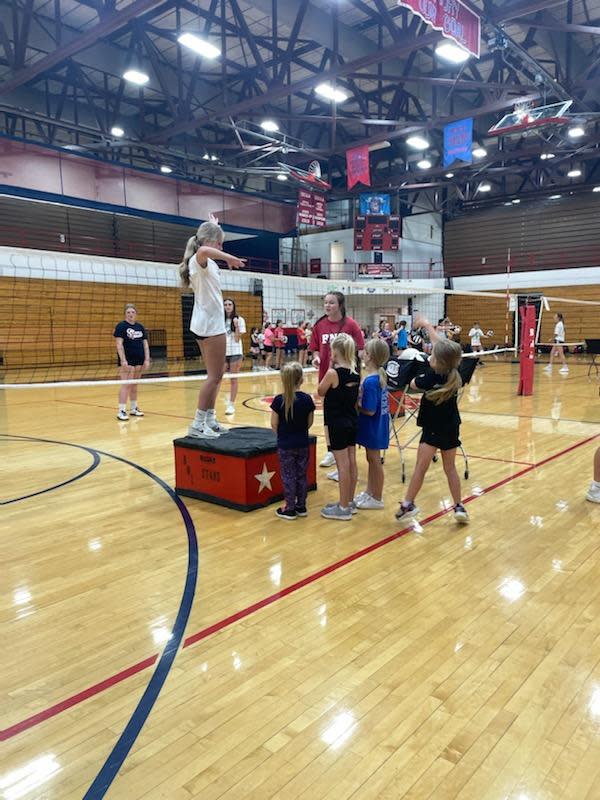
(134, 357)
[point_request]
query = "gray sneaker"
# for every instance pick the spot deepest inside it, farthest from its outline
(351, 505)
(202, 433)
(336, 512)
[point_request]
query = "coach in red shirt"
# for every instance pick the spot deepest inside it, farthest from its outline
(333, 322)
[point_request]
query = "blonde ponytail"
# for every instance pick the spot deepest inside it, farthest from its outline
(207, 232)
(379, 353)
(184, 268)
(291, 376)
(345, 346)
(447, 355)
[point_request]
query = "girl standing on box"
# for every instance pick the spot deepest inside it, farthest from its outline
(339, 388)
(374, 421)
(199, 271)
(292, 415)
(235, 326)
(440, 421)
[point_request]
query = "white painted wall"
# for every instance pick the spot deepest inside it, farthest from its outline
(529, 280)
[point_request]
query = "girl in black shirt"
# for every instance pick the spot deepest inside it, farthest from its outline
(440, 421)
(339, 388)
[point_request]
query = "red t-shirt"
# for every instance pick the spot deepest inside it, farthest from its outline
(301, 335)
(324, 331)
(278, 335)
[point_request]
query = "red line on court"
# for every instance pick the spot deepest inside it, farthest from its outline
(91, 691)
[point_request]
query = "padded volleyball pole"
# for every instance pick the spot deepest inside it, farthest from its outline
(527, 351)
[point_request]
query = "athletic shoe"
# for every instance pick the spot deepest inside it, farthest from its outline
(360, 496)
(335, 511)
(230, 409)
(136, 412)
(406, 511)
(351, 505)
(286, 513)
(122, 416)
(548, 368)
(564, 370)
(333, 476)
(328, 460)
(301, 511)
(369, 503)
(202, 433)
(460, 514)
(215, 426)
(593, 494)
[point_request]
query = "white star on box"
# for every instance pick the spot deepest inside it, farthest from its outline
(264, 479)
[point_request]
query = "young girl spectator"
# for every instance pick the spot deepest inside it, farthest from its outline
(134, 357)
(386, 335)
(326, 328)
(254, 348)
(235, 326)
(440, 421)
(339, 388)
(199, 270)
(559, 345)
(374, 421)
(302, 343)
(402, 336)
(292, 415)
(278, 343)
(268, 343)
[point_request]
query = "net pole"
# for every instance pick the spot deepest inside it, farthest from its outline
(507, 313)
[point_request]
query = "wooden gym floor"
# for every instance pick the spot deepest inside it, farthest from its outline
(305, 660)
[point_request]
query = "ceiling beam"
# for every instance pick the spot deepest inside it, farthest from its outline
(524, 8)
(108, 25)
(562, 27)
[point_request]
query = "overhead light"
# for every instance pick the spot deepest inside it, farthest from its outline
(214, 157)
(574, 173)
(576, 132)
(379, 146)
(508, 204)
(198, 45)
(516, 201)
(417, 142)
(116, 131)
(555, 196)
(330, 92)
(479, 152)
(269, 125)
(135, 76)
(449, 174)
(596, 189)
(281, 176)
(424, 163)
(485, 187)
(206, 157)
(452, 53)
(547, 156)
(165, 169)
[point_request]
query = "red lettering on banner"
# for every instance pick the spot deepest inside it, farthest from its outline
(455, 21)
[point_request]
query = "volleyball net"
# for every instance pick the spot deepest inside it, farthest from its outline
(58, 312)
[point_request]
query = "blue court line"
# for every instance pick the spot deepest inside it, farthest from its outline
(107, 773)
(91, 468)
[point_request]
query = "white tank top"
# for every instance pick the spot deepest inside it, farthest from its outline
(208, 317)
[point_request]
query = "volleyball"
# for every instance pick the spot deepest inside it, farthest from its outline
(416, 338)
(489, 333)
(285, 339)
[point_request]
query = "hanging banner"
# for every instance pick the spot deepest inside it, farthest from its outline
(357, 166)
(455, 21)
(458, 142)
(312, 208)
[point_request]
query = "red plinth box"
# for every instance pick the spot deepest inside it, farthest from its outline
(239, 470)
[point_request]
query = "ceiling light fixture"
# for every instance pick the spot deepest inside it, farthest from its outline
(479, 152)
(547, 156)
(424, 163)
(206, 157)
(574, 173)
(417, 142)
(269, 126)
(165, 169)
(596, 189)
(198, 45)
(555, 196)
(576, 132)
(116, 131)
(330, 92)
(452, 53)
(136, 76)
(449, 174)
(516, 201)
(281, 176)
(485, 187)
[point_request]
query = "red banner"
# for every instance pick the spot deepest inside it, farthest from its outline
(357, 166)
(455, 21)
(312, 208)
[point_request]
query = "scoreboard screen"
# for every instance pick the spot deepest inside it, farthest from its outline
(377, 232)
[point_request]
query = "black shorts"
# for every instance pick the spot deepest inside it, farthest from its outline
(341, 438)
(133, 362)
(302, 346)
(442, 440)
(268, 349)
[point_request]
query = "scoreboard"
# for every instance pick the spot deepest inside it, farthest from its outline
(377, 232)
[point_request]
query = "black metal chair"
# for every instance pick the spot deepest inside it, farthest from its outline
(592, 346)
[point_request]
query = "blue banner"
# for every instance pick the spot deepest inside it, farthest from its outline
(458, 142)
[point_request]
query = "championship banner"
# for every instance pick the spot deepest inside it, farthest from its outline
(458, 142)
(312, 208)
(357, 166)
(455, 21)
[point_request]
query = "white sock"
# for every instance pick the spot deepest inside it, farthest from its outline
(210, 415)
(122, 406)
(199, 418)
(133, 405)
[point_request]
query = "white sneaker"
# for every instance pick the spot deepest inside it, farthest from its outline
(547, 368)
(593, 494)
(122, 416)
(215, 425)
(328, 460)
(360, 496)
(230, 409)
(136, 412)
(333, 476)
(564, 370)
(369, 503)
(202, 433)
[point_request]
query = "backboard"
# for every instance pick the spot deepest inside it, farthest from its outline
(524, 119)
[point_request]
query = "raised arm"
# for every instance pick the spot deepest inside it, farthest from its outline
(205, 252)
(423, 322)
